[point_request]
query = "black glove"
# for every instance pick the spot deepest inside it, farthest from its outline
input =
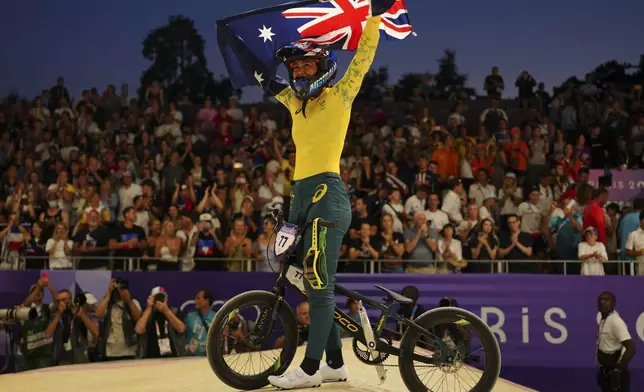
(614, 377)
(379, 7)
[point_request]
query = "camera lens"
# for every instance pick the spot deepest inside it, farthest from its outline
(79, 300)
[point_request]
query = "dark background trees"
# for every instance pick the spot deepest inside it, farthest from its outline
(176, 51)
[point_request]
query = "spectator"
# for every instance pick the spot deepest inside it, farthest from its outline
(516, 245)
(592, 253)
(532, 220)
(393, 246)
(127, 240)
(452, 200)
(436, 218)
(479, 190)
(517, 154)
(563, 232)
(489, 209)
(510, 196)
(238, 246)
(594, 215)
(483, 246)
(160, 328)
(265, 245)
(415, 203)
(538, 150)
(198, 322)
(34, 247)
(395, 209)
(59, 248)
(635, 246)
(450, 250)
(427, 174)
(208, 247)
(526, 84)
(494, 84)
(629, 223)
(362, 249)
(92, 241)
(360, 216)
(447, 159)
(167, 248)
(494, 118)
(420, 245)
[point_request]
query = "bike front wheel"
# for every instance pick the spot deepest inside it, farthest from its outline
(449, 357)
(238, 336)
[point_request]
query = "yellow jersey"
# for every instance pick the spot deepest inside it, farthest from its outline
(319, 137)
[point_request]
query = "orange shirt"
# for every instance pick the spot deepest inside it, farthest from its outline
(479, 163)
(515, 154)
(448, 163)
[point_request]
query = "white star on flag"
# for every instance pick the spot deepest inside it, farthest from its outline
(266, 33)
(259, 77)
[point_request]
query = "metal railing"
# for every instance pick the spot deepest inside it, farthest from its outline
(624, 267)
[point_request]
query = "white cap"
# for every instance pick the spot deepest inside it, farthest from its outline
(91, 299)
(157, 290)
(205, 217)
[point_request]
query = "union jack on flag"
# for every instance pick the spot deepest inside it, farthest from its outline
(248, 41)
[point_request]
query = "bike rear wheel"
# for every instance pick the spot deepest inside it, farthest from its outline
(442, 316)
(219, 342)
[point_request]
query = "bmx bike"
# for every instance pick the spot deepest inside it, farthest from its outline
(227, 339)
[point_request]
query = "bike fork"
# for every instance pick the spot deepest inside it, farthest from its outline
(371, 342)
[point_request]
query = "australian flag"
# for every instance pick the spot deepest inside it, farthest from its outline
(248, 41)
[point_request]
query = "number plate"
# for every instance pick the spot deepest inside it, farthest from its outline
(285, 238)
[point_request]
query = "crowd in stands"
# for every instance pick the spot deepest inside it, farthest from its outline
(107, 181)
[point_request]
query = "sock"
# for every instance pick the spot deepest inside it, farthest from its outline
(310, 366)
(334, 359)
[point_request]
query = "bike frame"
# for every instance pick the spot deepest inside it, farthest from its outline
(291, 276)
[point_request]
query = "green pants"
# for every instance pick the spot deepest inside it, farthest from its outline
(321, 196)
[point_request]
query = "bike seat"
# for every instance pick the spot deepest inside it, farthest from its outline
(394, 296)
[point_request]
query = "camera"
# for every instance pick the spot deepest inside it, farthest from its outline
(122, 284)
(79, 300)
(159, 297)
(21, 314)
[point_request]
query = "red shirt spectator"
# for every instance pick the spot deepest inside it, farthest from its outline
(594, 215)
(222, 116)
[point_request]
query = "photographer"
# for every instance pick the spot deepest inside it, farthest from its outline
(119, 313)
(160, 328)
(452, 334)
(412, 310)
(36, 348)
(198, 322)
(70, 328)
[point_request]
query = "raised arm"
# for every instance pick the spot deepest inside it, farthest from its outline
(349, 86)
(280, 89)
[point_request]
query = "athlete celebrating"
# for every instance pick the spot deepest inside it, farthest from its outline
(321, 115)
